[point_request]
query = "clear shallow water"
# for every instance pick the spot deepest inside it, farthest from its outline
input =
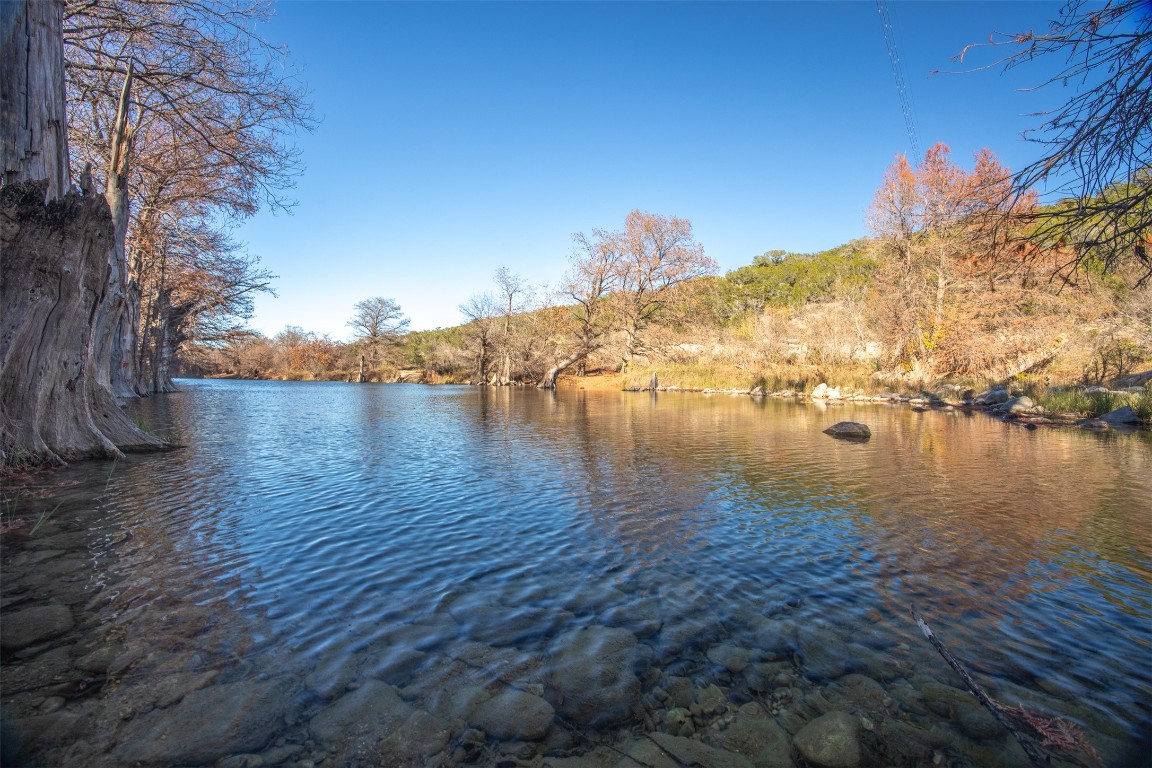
(324, 531)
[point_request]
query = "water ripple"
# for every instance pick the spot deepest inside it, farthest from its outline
(339, 517)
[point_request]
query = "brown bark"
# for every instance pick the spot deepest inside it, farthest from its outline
(33, 123)
(167, 336)
(52, 407)
(553, 373)
(55, 246)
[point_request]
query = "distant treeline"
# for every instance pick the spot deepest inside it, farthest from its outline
(953, 285)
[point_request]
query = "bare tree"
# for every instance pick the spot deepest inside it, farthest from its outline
(203, 77)
(205, 293)
(511, 286)
(1097, 147)
(184, 112)
(946, 230)
(482, 313)
(378, 319)
(377, 322)
(590, 279)
(655, 254)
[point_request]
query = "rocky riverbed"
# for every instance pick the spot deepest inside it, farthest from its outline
(102, 668)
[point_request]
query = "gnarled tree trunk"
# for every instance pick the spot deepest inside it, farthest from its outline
(55, 247)
(53, 406)
(553, 373)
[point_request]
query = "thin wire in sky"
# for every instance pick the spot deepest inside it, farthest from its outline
(898, 74)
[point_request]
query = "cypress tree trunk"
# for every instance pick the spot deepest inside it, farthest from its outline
(33, 122)
(55, 246)
(115, 329)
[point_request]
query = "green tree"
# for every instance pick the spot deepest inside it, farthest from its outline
(780, 278)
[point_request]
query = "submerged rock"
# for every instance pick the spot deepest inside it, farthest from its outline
(420, 736)
(24, 737)
(732, 658)
(757, 737)
(849, 430)
(659, 750)
(331, 676)
(1096, 425)
(592, 677)
(99, 660)
(711, 700)
(680, 691)
(826, 656)
(208, 724)
(391, 664)
(513, 714)
(374, 708)
(862, 693)
(640, 616)
(511, 626)
(33, 625)
(830, 741)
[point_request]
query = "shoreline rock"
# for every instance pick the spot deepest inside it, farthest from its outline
(999, 401)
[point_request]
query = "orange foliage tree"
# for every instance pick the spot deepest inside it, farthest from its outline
(947, 231)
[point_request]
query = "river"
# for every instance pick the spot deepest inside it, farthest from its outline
(338, 574)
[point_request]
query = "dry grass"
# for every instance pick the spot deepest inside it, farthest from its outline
(596, 380)
(770, 378)
(1076, 401)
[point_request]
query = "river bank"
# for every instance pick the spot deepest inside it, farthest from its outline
(1125, 404)
(1105, 409)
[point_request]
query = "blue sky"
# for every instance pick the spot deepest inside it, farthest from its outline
(456, 138)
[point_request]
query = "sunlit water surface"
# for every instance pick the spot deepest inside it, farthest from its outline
(308, 523)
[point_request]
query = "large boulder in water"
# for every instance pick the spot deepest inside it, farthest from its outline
(849, 430)
(1122, 415)
(593, 682)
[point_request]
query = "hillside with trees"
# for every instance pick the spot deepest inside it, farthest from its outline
(968, 274)
(948, 288)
